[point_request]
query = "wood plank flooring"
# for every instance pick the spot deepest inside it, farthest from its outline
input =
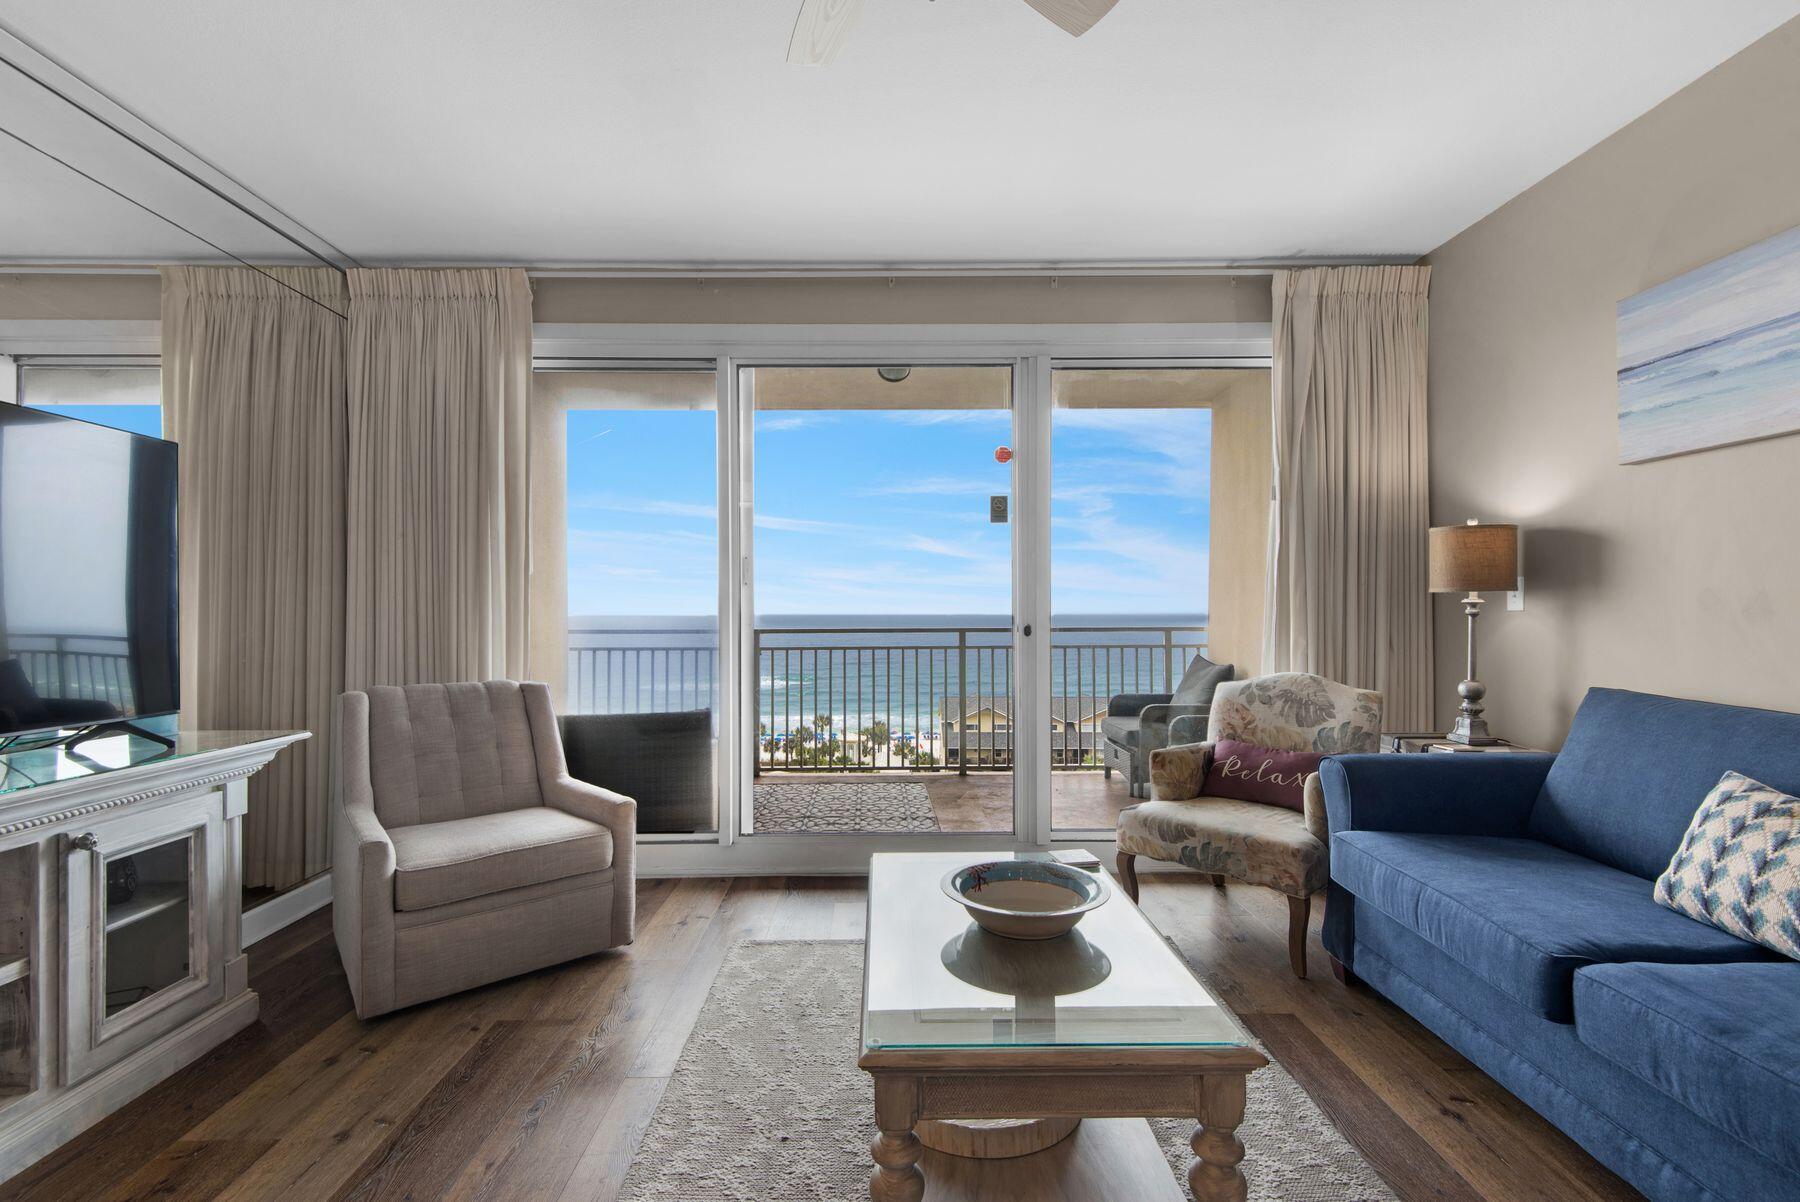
(541, 1087)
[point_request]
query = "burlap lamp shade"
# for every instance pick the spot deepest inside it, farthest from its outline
(1474, 558)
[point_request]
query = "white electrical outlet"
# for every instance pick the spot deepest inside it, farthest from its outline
(1516, 598)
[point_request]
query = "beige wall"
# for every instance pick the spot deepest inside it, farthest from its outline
(80, 296)
(937, 300)
(1243, 472)
(1680, 576)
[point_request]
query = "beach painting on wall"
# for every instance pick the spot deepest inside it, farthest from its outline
(1712, 357)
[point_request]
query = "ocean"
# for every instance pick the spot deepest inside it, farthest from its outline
(877, 683)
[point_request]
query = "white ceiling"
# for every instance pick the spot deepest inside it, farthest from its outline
(553, 132)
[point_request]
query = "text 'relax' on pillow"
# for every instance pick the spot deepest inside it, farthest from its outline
(1738, 866)
(1246, 772)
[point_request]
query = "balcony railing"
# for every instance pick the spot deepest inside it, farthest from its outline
(641, 669)
(70, 666)
(884, 698)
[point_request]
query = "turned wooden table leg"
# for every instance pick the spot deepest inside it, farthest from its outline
(897, 1177)
(1214, 1176)
(896, 1150)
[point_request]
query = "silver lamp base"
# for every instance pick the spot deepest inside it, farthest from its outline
(1471, 728)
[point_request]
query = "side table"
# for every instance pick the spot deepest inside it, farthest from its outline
(1406, 742)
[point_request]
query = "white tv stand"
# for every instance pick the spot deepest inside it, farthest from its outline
(121, 956)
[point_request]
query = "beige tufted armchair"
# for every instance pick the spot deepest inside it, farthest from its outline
(1245, 840)
(462, 850)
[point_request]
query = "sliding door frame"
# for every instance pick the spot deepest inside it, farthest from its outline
(1032, 352)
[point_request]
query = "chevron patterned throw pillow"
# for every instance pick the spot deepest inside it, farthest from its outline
(1738, 866)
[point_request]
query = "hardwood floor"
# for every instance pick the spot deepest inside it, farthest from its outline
(541, 1087)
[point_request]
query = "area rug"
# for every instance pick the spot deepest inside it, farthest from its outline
(767, 1104)
(834, 807)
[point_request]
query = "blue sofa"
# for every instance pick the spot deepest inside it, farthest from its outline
(1504, 901)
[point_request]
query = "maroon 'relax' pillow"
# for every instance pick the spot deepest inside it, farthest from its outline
(1250, 773)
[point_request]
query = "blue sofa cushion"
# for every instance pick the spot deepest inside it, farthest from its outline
(1721, 1039)
(1636, 767)
(1641, 1133)
(1520, 914)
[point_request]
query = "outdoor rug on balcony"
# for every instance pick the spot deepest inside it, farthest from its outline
(767, 1102)
(832, 807)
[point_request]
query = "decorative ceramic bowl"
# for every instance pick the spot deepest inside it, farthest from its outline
(1026, 899)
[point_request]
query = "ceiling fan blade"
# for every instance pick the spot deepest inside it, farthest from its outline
(821, 30)
(1074, 17)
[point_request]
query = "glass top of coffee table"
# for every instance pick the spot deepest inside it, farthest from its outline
(933, 979)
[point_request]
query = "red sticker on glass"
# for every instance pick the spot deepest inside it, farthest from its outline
(1002, 454)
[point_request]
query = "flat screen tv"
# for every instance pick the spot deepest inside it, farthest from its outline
(87, 575)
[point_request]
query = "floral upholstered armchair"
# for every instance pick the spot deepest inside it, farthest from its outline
(1248, 841)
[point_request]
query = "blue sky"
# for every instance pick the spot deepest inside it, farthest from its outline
(139, 419)
(887, 512)
(874, 512)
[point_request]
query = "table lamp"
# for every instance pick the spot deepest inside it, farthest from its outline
(1473, 559)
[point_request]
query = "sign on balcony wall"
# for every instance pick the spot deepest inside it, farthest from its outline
(1712, 357)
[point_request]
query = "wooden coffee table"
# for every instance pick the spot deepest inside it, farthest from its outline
(1105, 1022)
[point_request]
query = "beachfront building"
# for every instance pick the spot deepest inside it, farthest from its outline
(982, 735)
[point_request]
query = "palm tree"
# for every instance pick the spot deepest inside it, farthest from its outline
(875, 739)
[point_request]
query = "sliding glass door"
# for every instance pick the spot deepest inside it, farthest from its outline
(629, 458)
(891, 602)
(882, 629)
(1159, 502)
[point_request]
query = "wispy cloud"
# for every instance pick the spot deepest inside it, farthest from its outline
(791, 421)
(645, 505)
(1000, 419)
(769, 521)
(699, 511)
(881, 584)
(937, 546)
(940, 485)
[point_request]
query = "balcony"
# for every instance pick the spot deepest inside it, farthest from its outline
(925, 704)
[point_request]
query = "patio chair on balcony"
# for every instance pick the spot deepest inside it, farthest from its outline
(1138, 723)
(662, 760)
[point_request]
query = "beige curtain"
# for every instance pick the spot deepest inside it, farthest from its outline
(253, 391)
(438, 535)
(1347, 583)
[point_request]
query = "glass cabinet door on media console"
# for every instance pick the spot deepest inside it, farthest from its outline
(141, 930)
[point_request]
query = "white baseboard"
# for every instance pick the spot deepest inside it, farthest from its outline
(286, 908)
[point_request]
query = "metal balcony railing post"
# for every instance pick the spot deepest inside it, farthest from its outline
(962, 703)
(1168, 660)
